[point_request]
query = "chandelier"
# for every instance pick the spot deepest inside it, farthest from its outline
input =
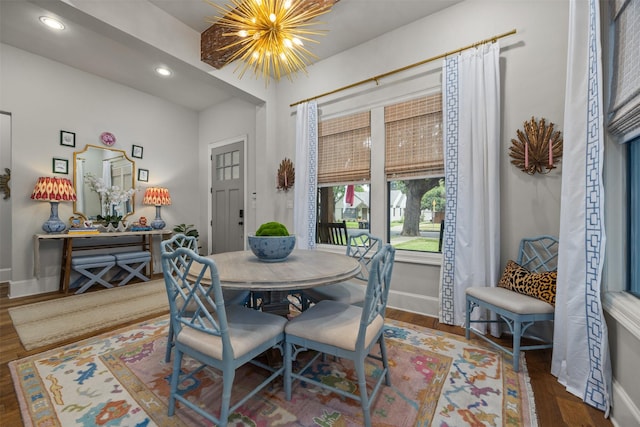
(268, 36)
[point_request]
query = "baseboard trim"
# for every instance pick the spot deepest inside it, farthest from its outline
(625, 412)
(420, 304)
(24, 288)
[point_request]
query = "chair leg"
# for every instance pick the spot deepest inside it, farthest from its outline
(517, 332)
(362, 384)
(287, 370)
(175, 379)
(385, 362)
(467, 321)
(228, 375)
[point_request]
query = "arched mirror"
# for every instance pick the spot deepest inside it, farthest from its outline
(106, 167)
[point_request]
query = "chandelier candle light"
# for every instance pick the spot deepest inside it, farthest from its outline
(54, 190)
(158, 197)
(270, 34)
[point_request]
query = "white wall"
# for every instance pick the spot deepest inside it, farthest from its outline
(533, 63)
(45, 97)
(5, 204)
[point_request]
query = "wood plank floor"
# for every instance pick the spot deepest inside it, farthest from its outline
(555, 406)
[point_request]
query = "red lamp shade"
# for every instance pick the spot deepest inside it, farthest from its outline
(156, 196)
(52, 189)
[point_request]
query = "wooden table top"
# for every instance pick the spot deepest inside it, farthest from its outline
(302, 269)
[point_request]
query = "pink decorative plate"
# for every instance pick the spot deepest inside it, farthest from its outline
(107, 138)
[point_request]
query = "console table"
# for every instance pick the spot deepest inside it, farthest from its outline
(142, 239)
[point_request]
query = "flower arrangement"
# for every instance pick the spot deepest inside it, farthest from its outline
(109, 197)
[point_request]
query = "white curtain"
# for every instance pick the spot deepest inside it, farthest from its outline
(471, 245)
(306, 183)
(581, 353)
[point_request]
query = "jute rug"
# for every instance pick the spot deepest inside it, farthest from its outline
(121, 379)
(56, 321)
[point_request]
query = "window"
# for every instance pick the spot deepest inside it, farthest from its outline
(405, 139)
(344, 170)
(414, 167)
(634, 217)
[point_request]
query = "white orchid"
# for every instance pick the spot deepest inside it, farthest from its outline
(109, 196)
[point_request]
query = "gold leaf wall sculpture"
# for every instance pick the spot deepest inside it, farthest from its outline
(538, 147)
(286, 175)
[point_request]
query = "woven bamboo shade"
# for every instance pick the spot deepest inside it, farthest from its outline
(413, 132)
(344, 149)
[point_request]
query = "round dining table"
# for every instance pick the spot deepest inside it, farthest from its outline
(276, 280)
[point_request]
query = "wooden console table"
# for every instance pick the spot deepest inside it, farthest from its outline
(142, 239)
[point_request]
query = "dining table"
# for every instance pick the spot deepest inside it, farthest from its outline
(274, 281)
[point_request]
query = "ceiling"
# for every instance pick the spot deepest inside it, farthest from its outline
(100, 49)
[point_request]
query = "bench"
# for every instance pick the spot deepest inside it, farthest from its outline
(518, 311)
(131, 264)
(92, 269)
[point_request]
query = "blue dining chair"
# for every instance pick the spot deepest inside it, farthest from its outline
(362, 246)
(220, 336)
(231, 296)
(345, 331)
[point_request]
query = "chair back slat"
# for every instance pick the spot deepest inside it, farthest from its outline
(363, 246)
(539, 254)
(375, 302)
(193, 301)
(179, 241)
(334, 233)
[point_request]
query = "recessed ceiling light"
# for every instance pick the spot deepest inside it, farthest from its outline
(52, 23)
(163, 71)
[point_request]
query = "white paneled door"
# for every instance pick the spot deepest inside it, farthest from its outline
(227, 198)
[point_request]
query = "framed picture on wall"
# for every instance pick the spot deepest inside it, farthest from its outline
(67, 138)
(143, 175)
(136, 151)
(60, 166)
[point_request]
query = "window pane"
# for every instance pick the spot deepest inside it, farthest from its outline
(416, 213)
(348, 203)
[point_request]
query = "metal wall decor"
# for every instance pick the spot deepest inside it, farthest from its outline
(286, 175)
(538, 147)
(4, 183)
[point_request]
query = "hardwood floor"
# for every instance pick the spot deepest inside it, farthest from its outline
(555, 406)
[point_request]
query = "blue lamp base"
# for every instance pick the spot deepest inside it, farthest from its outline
(54, 224)
(158, 223)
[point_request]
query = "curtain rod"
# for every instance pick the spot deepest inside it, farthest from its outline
(398, 70)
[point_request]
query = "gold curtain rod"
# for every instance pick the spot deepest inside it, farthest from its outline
(398, 70)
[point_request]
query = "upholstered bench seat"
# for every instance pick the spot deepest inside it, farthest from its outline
(132, 264)
(92, 269)
(512, 301)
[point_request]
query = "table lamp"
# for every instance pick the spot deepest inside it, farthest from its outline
(54, 190)
(158, 197)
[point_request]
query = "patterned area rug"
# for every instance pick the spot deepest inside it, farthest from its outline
(120, 379)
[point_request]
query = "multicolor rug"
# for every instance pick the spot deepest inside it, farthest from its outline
(120, 379)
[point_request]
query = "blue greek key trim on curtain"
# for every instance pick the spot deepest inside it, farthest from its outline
(312, 184)
(596, 390)
(451, 106)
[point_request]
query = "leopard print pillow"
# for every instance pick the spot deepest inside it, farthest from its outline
(537, 285)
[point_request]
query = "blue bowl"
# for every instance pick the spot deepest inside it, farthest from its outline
(272, 248)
